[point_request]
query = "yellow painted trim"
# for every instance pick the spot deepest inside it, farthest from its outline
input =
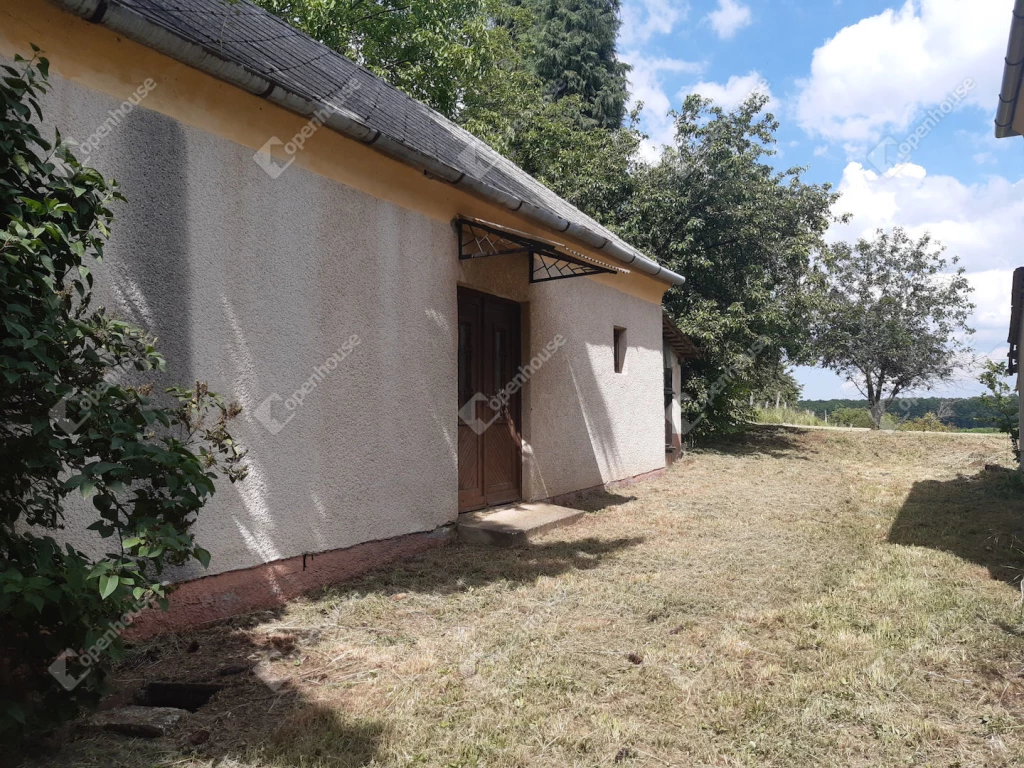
(97, 58)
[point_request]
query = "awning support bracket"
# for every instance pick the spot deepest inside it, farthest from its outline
(547, 261)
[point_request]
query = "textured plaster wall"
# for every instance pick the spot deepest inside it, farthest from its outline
(251, 283)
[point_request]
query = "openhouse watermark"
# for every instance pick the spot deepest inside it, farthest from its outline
(498, 402)
(271, 165)
(116, 117)
(88, 657)
(889, 152)
(285, 407)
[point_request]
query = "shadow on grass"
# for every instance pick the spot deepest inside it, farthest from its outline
(462, 567)
(771, 440)
(978, 518)
(262, 715)
(595, 501)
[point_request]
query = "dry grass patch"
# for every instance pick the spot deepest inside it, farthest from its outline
(783, 598)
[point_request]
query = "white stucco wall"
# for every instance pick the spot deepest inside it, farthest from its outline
(252, 282)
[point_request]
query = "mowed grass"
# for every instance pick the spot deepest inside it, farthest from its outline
(784, 598)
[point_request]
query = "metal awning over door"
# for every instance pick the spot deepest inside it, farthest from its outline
(548, 260)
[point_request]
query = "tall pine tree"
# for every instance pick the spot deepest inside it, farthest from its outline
(574, 54)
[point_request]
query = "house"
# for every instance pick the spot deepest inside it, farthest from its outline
(1010, 122)
(1016, 336)
(414, 326)
(678, 349)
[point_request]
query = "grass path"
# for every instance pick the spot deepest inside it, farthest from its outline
(786, 598)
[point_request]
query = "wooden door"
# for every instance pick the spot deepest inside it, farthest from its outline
(490, 442)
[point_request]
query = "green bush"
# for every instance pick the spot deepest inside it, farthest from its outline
(927, 423)
(66, 429)
(851, 417)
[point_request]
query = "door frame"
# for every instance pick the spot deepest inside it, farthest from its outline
(517, 409)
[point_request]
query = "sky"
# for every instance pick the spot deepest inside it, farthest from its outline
(850, 81)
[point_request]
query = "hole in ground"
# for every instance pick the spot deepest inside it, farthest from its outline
(190, 696)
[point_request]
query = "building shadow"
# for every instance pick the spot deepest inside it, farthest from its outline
(261, 715)
(463, 567)
(979, 518)
(771, 440)
(594, 501)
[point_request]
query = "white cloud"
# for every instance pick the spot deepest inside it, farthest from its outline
(821, 151)
(642, 19)
(883, 71)
(646, 85)
(734, 92)
(981, 223)
(730, 18)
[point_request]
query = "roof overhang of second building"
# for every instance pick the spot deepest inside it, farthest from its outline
(1009, 118)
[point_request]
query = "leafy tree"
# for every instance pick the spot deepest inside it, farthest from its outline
(889, 317)
(573, 54)
(71, 437)
(441, 52)
(1002, 407)
(715, 209)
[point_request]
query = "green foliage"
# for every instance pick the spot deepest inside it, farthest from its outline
(965, 414)
(716, 210)
(927, 423)
(444, 53)
(572, 52)
(851, 417)
(1001, 406)
(71, 437)
(784, 415)
(888, 316)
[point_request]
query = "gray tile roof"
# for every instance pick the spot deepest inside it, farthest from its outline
(262, 46)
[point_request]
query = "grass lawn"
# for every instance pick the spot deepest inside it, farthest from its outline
(784, 598)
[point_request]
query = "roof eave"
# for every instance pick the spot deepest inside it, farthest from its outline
(123, 21)
(1013, 73)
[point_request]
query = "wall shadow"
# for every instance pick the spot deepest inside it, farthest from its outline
(979, 518)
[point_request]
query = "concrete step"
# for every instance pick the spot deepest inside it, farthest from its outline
(512, 526)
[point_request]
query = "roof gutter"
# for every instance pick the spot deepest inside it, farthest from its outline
(125, 22)
(1013, 73)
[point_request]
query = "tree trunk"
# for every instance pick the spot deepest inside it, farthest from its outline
(877, 412)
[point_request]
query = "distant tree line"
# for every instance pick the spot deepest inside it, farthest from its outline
(962, 413)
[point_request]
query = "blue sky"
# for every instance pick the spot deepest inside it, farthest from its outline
(846, 77)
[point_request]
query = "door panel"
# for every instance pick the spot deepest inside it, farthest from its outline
(490, 449)
(471, 458)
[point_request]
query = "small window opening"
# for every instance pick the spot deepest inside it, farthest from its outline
(620, 349)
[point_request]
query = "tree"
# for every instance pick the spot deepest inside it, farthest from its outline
(716, 210)
(1002, 408)
(889, 317)
(573, 54)
(71, 435)
(441, 52)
